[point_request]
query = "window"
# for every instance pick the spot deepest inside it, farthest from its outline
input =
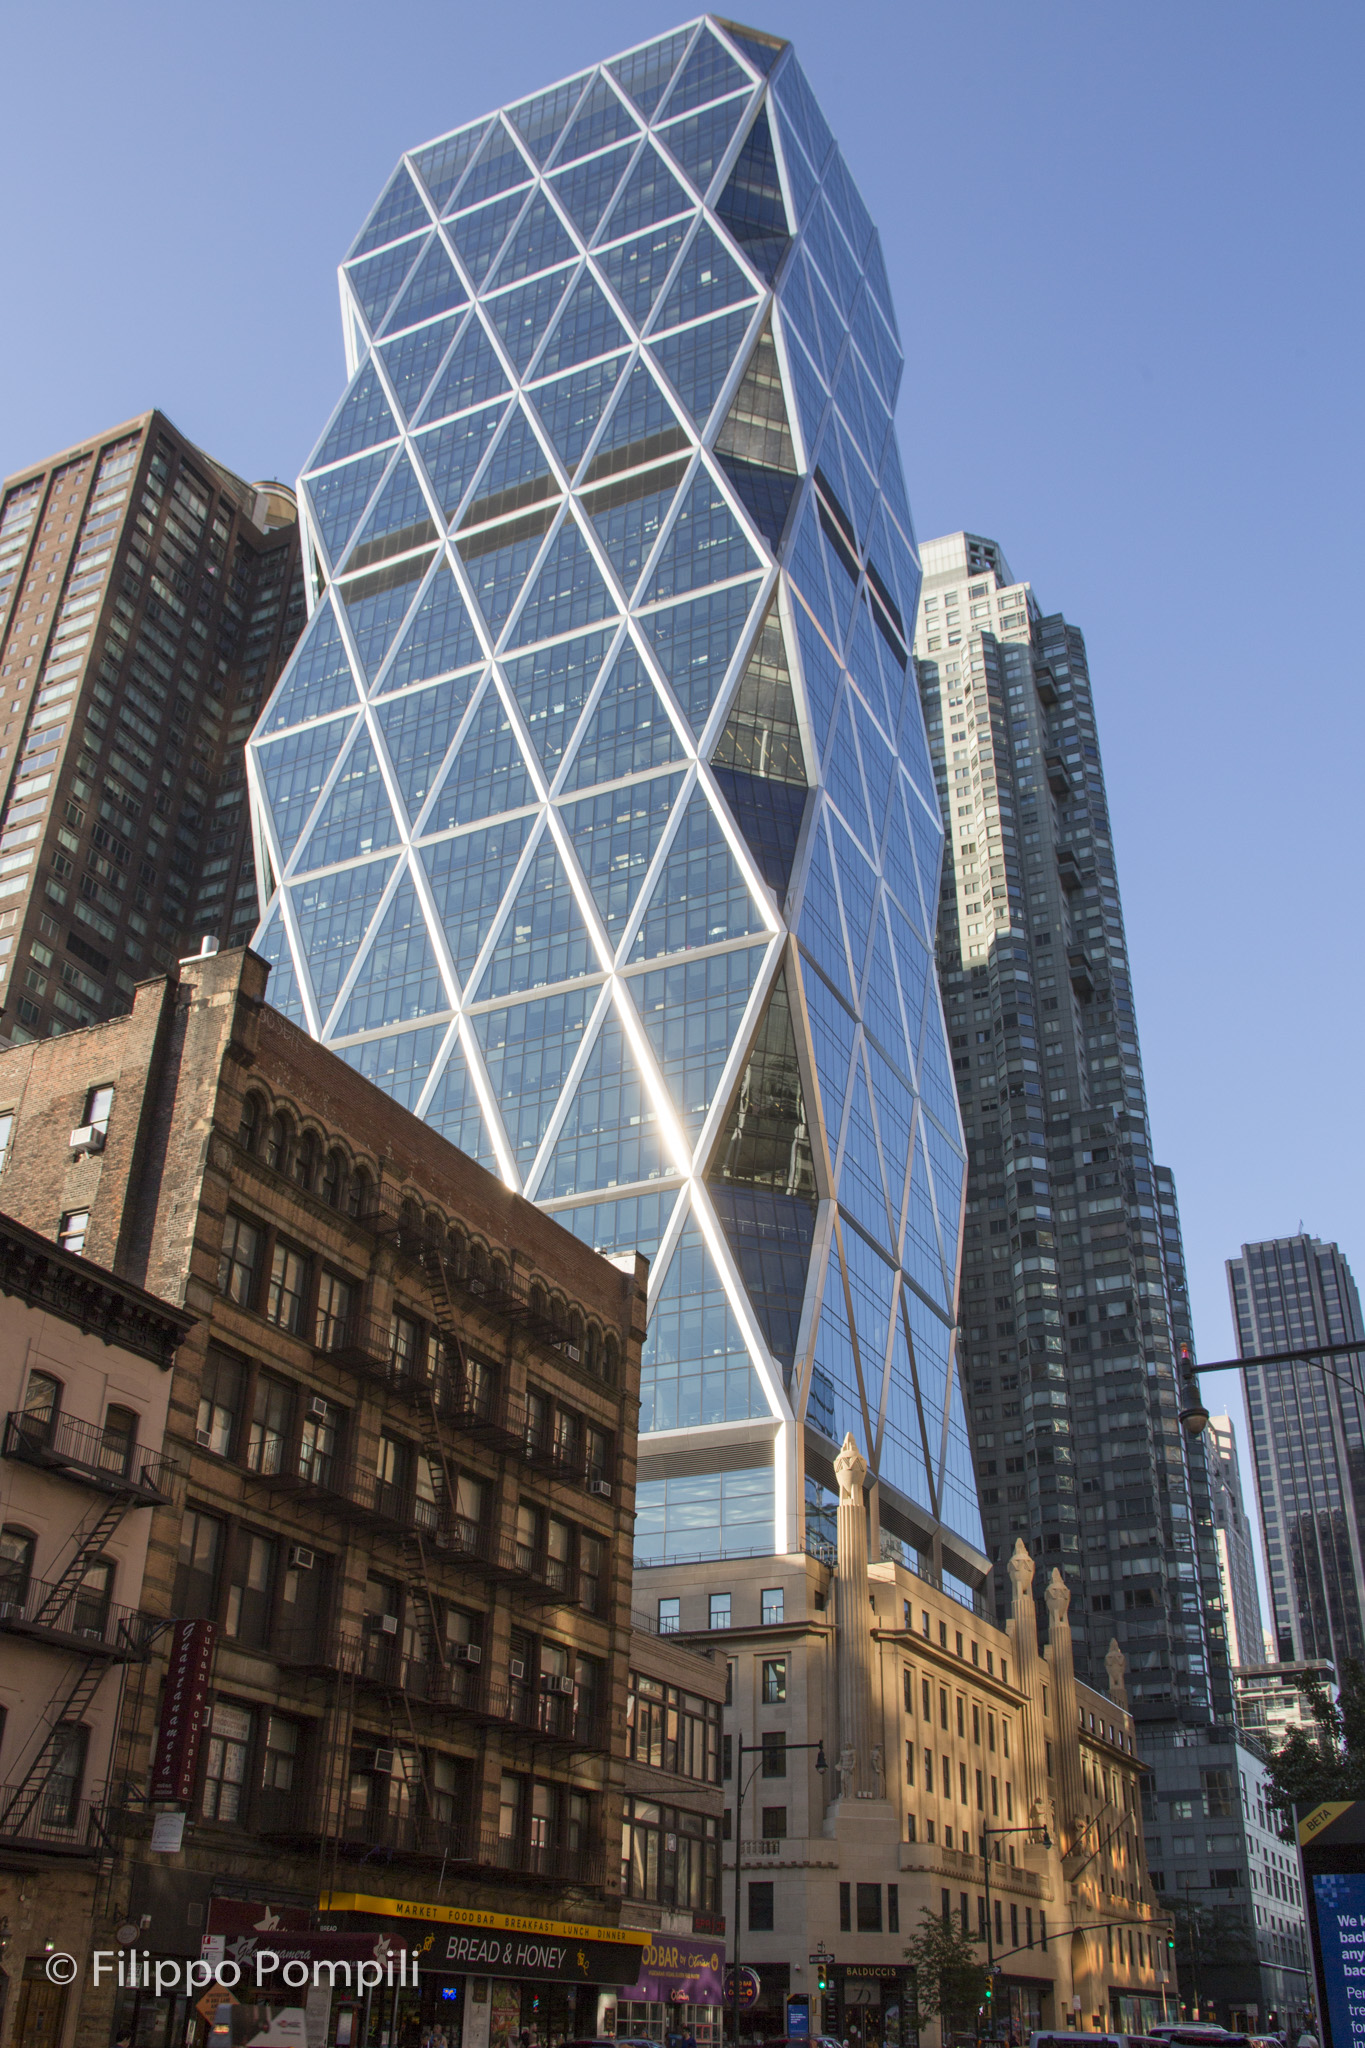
(118, 1441)
(249, 1129)
(318, 1441)
(6, 1133)
(869, 1909)
(72, 1229)
(239, 1261)
(271, 1413)
(196, 1579)
(333, 1179)
(98, 1104)
(280, 1762)
(669, 1617)
(761, 1907)
(306, 1161)
(846, 1908)
(225, 1762)
(248, 1601)
(774, 1823)
(277, 1142)
(772, 1606)
(774, 1681)
(720, 1610)
(288, 1288)
(774, 1744)
(893, 1909)
(61, 1795)
(592, 1553)
(220, 1402)
(334, 1312)
(16, 1566)
(42, 1401)
(405, 1337)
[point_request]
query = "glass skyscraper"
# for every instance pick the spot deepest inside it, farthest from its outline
(594, 813)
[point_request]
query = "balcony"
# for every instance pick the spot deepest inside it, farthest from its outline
(1058, 780)
(551, 1863)
(90, 1455)
(73, 1617)
(376, 1833)
(54, 1825)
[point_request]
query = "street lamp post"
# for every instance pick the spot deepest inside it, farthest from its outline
(986, 1833)
(740, 1789)
(1194, 1416)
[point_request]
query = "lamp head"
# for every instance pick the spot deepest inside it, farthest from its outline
(1194, 1416)
(820, 1763)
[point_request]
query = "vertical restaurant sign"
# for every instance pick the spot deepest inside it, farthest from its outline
(183, 1707)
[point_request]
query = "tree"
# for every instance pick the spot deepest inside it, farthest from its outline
(950, 1978)
(1305, 1770)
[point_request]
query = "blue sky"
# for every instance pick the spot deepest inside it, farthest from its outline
(1125, 249)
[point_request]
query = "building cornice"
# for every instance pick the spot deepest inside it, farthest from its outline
(89, 1297)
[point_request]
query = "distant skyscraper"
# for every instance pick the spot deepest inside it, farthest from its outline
(595, 803)
(1308, 1435)
(1236, 1543)
(1073, 1287)
(147, 600)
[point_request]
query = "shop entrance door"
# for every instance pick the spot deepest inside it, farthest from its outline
(42, 2012)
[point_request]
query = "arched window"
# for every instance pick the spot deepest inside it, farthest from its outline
(306, 1161)
(253, 1116)
(333, 1179)
(119, 1441)
(16, 1566)
(358, 1194)
(277, 1142)
(90, 1607)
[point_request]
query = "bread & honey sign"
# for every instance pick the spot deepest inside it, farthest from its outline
(452, 1939)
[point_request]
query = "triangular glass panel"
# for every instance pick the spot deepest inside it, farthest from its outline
(751, 205)
(587, 327)
(875, 345)
(610, 1135)
(770, 1235)
(432, 288)
(628, 732)
(479, 236)
(418, 728)
(708, 279)
(695, 1367)
(645, 73)
(469, 878)
(821, 673)
(811, 400)
(912, 958)
(770, 815)
(540, 121)
(442, 165)
(948, 1166)
(615, 836)
(552, 686)
(413, 360)
(928, 837)
(636, 270)
(935, 1077)
(821, 929)
(441, 636)
(356, 818)
(862, 1188)
(628, 514)
(898, 865)
(878, 769)
(921, 1251)
(539, 242)
(499, 559)
(282, 989)
(881, 1003)
(762, 735)
(568, 592)
(600, 119)
(801, 178)
(709, 73)
(766, 495)
(699, 142)
(399, 979)
(543, 938)
(844, 780)
(846, 200)
(528, 1050)
(400, 1063)
(799, 104)
(294, 770)
(399, 521)
(473, 375)
(892, 1104)
(522, 316)
(827, 320)
(634, 1223)
(874, 269)
(872, 1288)
(318, 679)
(363, 421)
(400, 211)
(761, 53)
(700, 897)
(643, 428)
(697, 361)
(333, 916)
(833, 257)
(451, 454)
(572, 406)
(339, 496)
(755, 441)
(375, 281)
(831, 1036)
(518, 473)
(453, 1109)
(376, 604)
(806, 565)
(498, 166)
(651, 193)
(903, 1461)
(695, 642)
(585, 190)
(488, 774)
(692, 1012)
(704, 544)
(866, 671)
(958, 1493)
(857, 888)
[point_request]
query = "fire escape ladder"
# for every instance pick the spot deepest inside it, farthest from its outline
(65, 1708)
(89, 1544)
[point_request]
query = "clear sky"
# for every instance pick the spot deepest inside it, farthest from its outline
(1125, 247)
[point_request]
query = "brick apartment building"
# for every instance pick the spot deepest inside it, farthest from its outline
(404, 1431)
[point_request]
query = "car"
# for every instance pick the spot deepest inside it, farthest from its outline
(1069, 2040)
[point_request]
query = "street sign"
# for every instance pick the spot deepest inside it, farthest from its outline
(821, 1955)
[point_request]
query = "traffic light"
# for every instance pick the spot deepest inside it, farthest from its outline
(1170, 1941)
(821, 1978)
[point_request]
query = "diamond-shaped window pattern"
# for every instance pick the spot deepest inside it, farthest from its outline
(616, 326)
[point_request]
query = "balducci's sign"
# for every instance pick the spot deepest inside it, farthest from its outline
(455, 1939)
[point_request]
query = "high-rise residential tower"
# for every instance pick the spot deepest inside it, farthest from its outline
(1073, 1291)
(595, 803)
(147, 600)
(1235, 1541)
(1308, 1437)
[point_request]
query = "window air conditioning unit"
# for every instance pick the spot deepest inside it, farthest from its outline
(467, 1653)
(301, 1557)
(389, 1624)
(203, 1438)
(572, 1351)
(600, 1488)
(383, 1761)
(317, 1406)
(517, 1668)
(89, 1138)
(552, 1681)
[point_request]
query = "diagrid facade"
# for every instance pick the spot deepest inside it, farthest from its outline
(594, 813)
